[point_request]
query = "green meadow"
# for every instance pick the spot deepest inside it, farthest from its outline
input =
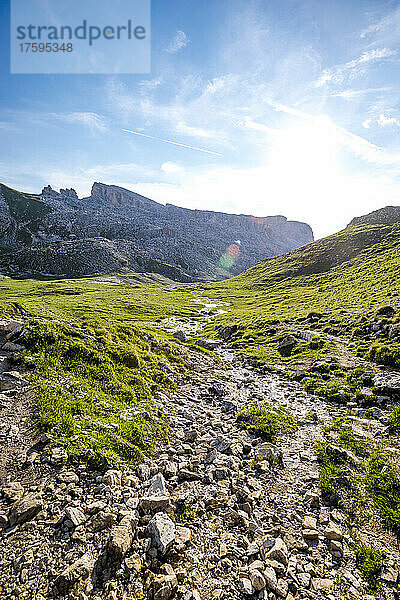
(96, 362)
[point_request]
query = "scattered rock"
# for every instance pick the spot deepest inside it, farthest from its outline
(143, 472)
(310, 534)
(182, 537)
(164, 586)
(336, 452)
(75, 515)
(311, 499)
(257, 579)
(101, 520)
(322, 585)
(309, 522)
(180, 335)
(389, 575)
(68, 477)
(387, 383)
(58, 455)
(78, 571)
(333, 532)
(13, 347)
(246, 587)
(186, 475)
(112, 478)
(286, 344)
(25, 509)
(270, 577)
(282, 588)
(304, 579)
(208, 344)
(161, 530)
(279, 551)
(13, 491)
(121, 537)
(157, 486)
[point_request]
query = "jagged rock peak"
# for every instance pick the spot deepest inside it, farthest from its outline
(69, 193)
(48, 192)
(382, 216)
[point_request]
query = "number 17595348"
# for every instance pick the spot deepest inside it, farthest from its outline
(48, 47)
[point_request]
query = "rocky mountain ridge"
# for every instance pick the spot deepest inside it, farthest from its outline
(115, 229)
(382, 216)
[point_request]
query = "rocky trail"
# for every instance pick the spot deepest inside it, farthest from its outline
(218, 513)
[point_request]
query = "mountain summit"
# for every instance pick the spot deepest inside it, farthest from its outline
(115, 229)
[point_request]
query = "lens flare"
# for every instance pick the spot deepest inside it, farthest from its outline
(228, 259)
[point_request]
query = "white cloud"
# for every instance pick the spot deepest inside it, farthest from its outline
(366, 150)
(179, 41)
(148, 85)
(250, 124)
(94, 122)
(171, 167)
(10, 127)
(338, 73)
(350, 94)
(384, 120)
(198, 132)
(388, 22)
(201, 109)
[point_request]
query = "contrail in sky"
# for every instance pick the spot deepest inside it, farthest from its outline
(152, 137)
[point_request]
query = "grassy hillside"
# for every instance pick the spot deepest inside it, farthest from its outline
(27, 210)
(23, 206)
(334, 286)
(123, 298)
(97, 366)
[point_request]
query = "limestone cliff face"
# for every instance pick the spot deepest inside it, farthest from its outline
(117, 196)
(136, 233)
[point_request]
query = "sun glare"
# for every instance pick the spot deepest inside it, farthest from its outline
(304, 156)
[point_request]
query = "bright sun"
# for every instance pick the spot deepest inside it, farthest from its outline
(305, 152)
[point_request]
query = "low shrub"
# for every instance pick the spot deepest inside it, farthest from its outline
(385, 354)
(370, 563)
(267, 420)
(383, 485)
(394, 418)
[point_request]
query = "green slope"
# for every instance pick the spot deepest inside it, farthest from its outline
(27, 210)
(96, 363)
(23, 206)
(344, 279)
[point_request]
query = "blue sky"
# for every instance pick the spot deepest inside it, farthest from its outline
(296, 103)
